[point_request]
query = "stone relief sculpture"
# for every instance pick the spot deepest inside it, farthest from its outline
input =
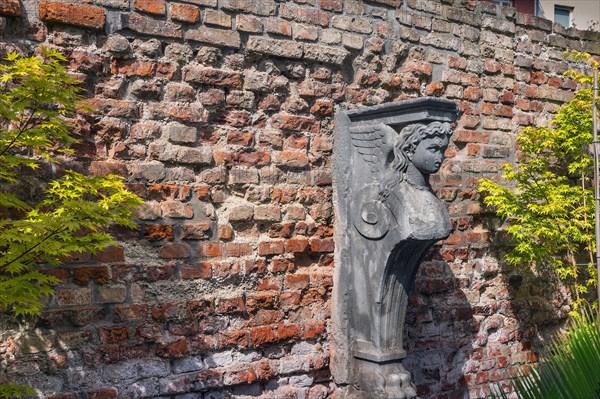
(387, 219)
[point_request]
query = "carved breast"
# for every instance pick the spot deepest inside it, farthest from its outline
(426, 216)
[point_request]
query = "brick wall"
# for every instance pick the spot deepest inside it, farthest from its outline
(219, 114)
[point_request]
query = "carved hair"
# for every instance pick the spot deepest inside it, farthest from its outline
(406, 143)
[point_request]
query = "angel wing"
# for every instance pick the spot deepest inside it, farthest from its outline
(371, 142)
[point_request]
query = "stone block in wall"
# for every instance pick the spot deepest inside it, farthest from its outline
(219, 37)
(264, 7)
(278, 48)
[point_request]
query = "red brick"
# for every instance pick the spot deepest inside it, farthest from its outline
(85, 316)
(174, 251)
(269, 283)
(332, 5)
(148, 25)
(102, 393)
(296, 245)
(259, 301)
(248, 23)
(83, 274)
(200, 308)
(11, 7)
(296, 281)
(225, 232)
(237, 338)
(295, 123)
(214, 36)
(236, 249)
(209, 249)
(291, 159)
(196, 270)
(231, 305)
(251, 158)
(278, 26)
(168, 311)
(157, 7)
(72, 14)
(174, 348)
(262, 335)
(212, 76)
(102, 168)
(289, 299)
(278, 265)
(158, 232)
(125, 313)
(217, 18)
(306, 15)
(321, 245)
(313, 328)
(111, 107)
(184, 13)
(471, 136)
(291, 331)
(133, 67)
(114, 335)
(258, 266)
(195, 231)
(270, 247)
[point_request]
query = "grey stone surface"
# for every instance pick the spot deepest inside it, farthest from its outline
(388, 217)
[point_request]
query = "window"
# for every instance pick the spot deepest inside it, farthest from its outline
(505, 3)
(562, 15)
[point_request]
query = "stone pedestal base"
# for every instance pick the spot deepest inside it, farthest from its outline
(381, 380)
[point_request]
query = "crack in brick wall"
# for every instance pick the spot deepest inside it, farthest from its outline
(219, 114)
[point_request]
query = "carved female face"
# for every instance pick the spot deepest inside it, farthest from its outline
(429, 154)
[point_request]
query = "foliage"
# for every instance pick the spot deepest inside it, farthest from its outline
(37, 96)
(569, 370)
(547, 196)
(14, 391)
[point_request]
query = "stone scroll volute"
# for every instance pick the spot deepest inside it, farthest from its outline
(387, 219)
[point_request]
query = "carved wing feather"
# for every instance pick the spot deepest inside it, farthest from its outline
(370, 142)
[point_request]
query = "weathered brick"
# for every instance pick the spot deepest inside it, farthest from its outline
(302, 14)
(82, 275)
(278, 48)
(157, 7)
(77, 296)
(125, 313)
(11, 8)
(291, 159)
(196, 270)
(111, 294)
(217, 18)
(330, 55)
(150, 26)
(212, 76)
(278, 26)
(352, 24)
(184, 13)
(295, 123)
(271, 247)
(264, 8)
(212, 36)
(267, 213)
(332, 5)
(72, 14)
(305, 32)
(174, 251)
(248, 23)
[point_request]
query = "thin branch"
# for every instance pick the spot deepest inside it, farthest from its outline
(30, 249)
(21, 131)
